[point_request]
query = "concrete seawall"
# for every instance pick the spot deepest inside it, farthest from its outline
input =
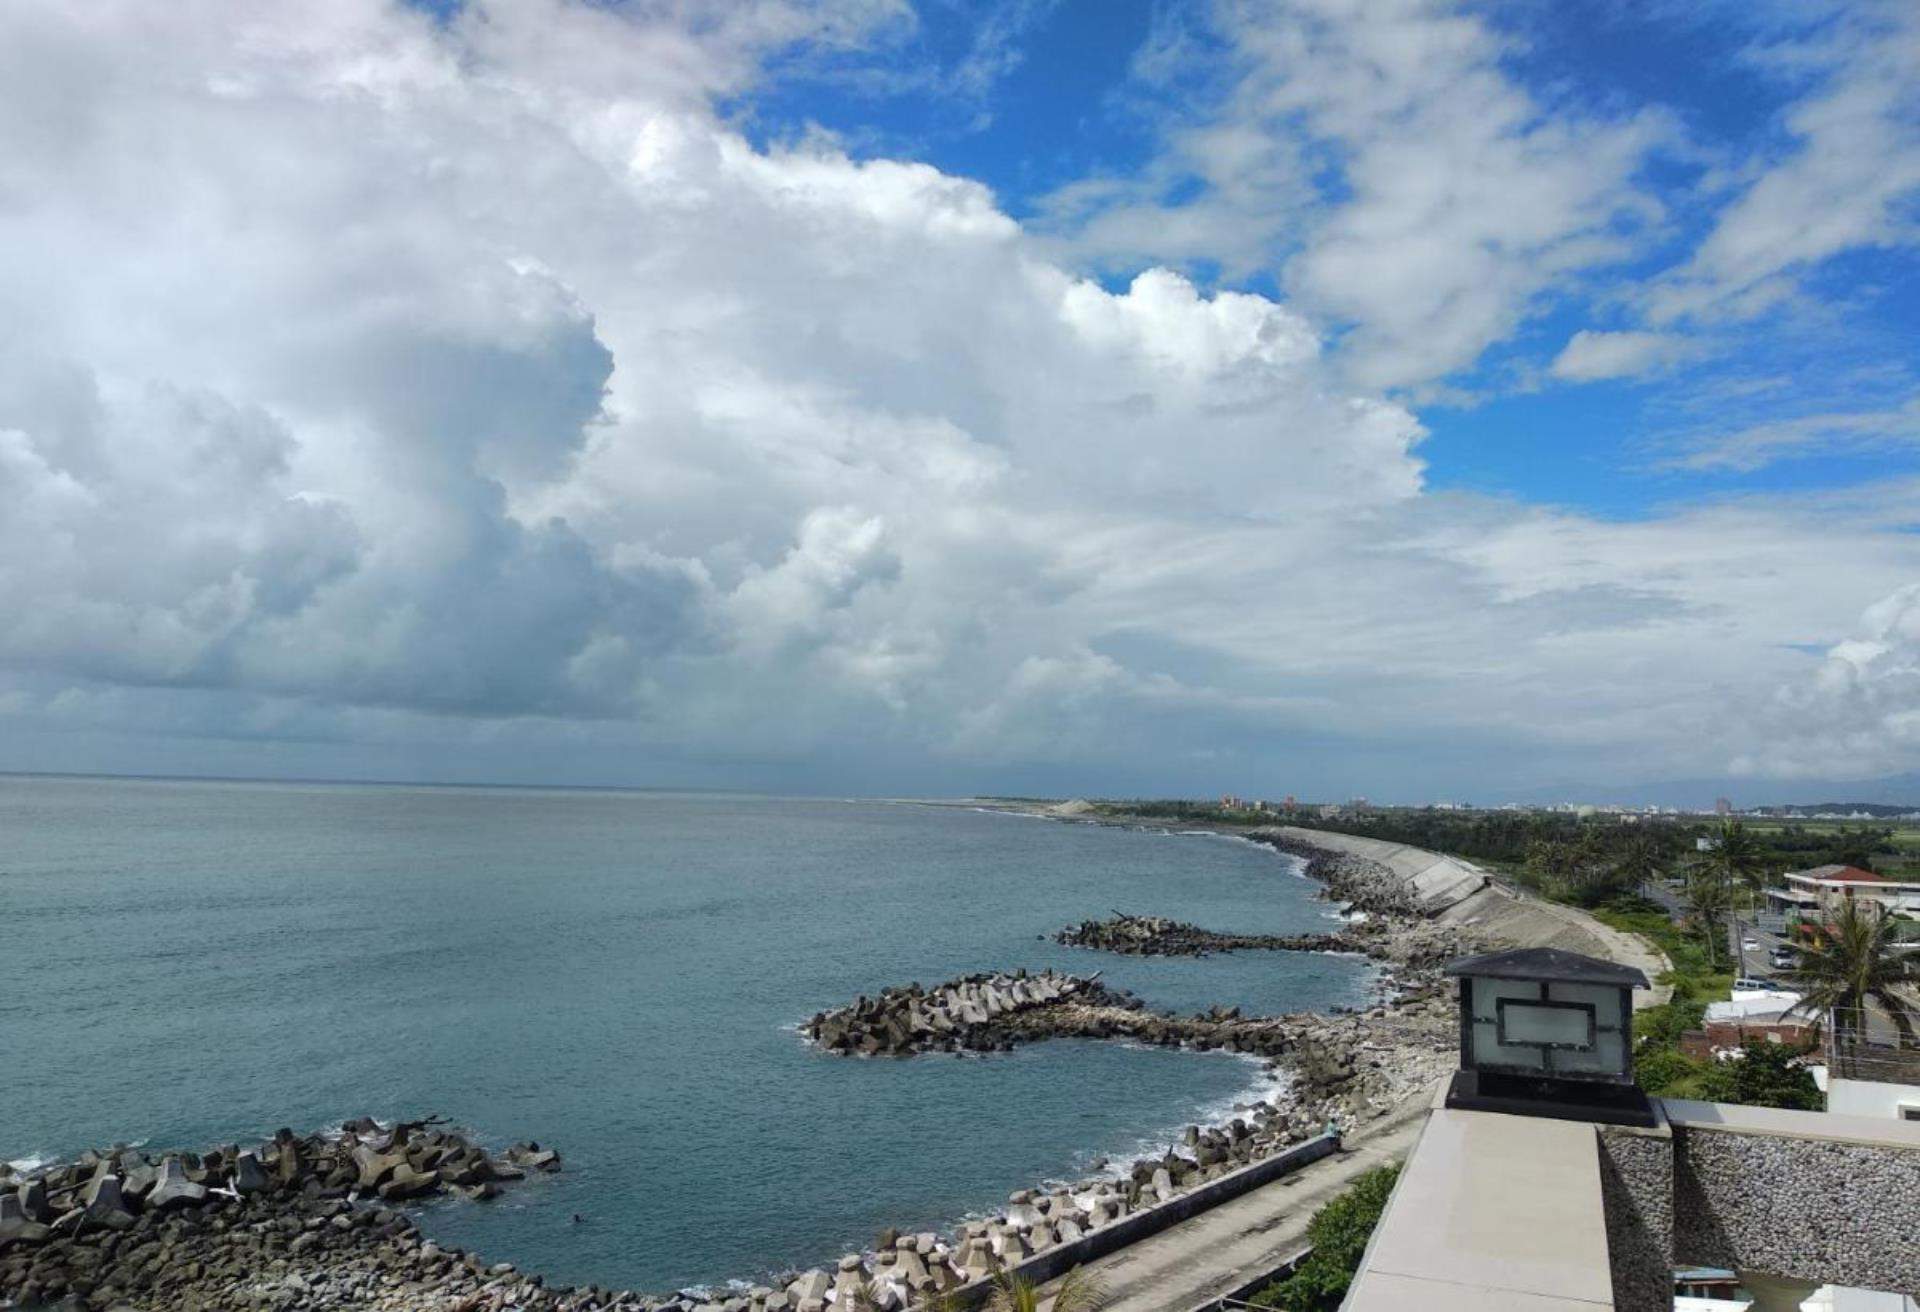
(1435, 883)
(1454, 891)
(1057, 1261)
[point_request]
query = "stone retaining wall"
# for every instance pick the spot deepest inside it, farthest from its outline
(1636, 1188)
(1803, 1195)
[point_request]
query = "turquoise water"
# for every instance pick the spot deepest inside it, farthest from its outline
(615, 974)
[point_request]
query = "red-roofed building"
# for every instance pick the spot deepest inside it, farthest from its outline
(1821, 891)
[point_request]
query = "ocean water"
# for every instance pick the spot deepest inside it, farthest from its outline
(615, 974)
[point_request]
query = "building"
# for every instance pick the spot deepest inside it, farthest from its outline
(1873, 1066)
(1721, 806)
(1770, 1015)
(1542, 1198)
(1819, 893)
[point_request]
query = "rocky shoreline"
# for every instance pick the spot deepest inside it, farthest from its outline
(296, 1222)
(311, 1223)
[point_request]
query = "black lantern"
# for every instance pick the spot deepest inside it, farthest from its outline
(1548, 1033)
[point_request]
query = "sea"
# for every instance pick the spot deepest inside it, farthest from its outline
(618, 975)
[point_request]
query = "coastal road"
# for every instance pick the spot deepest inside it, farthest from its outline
(1755, 962)
(1215, 1253)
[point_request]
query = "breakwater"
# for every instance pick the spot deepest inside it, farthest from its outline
(1158, 936)
(973, 1013)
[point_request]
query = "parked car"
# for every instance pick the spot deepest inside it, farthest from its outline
(1755, 984)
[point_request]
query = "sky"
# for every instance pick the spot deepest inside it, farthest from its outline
(1400, 397)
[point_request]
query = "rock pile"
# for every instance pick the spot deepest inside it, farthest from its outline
(968, 1014)
(1157, 936)
(1360, 883)
(294, 1222)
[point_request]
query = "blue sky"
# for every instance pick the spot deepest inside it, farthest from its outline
(1065, 100)
(1419, 398)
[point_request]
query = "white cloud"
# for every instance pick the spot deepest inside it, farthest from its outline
(1858, 713)
(1380, 155)
(1845, 181)
(1756, 446)
(478, 388)
(1590, 356)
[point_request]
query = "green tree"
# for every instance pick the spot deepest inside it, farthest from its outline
(1851, 962)
(1765, 1074)
(1583, 868)
(1638, 857)
(1709, 896)
(1737, 858)
(1339, 1233)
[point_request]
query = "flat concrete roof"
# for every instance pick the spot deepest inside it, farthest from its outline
(1492, 1212)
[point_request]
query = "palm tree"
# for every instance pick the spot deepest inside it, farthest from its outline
(1078, 1292)
(1637, 861)
(1736, 855)
(1709, 895)
(1852, 962)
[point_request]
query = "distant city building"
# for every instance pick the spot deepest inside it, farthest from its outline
(1721, 806)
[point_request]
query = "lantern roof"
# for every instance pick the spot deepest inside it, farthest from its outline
(1552, 964)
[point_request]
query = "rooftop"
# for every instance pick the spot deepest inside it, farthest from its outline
(1841, 875)
(1552, 964)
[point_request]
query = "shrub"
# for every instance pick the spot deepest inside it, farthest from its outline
(1339, 1233)
(1667, 1070)
(1765, 1074)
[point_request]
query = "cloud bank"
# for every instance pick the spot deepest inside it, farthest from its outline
(475, 389)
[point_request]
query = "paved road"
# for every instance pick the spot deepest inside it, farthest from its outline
(1755, 962)
(1189, 1264)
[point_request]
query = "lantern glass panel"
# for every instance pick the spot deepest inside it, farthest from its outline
(1607, 1057)
(1488, 992)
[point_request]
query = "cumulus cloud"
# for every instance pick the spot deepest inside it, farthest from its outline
(1858, 713)
(474, 386)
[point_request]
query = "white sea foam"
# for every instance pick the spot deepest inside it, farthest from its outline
(1266, 1086)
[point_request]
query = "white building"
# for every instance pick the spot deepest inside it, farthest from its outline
(1822, 891)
